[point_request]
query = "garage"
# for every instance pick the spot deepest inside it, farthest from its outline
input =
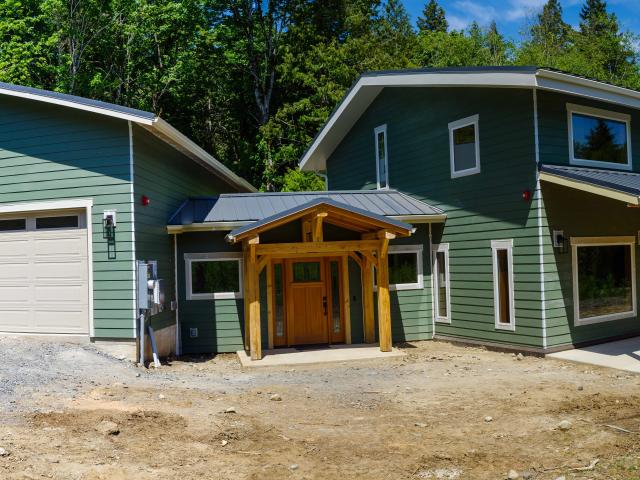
(44, 273)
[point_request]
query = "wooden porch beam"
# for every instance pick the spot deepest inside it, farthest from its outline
(356, 258)
(253, 288)
(337, 247)
(270, 309)
(316, 226)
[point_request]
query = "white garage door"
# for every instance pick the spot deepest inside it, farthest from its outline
(44, 272)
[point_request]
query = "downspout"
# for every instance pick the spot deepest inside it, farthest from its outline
(433, 312)
(175, 287)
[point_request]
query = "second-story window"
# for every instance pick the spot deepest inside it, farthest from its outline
(464, 147)
(599, 138)
(382, 163)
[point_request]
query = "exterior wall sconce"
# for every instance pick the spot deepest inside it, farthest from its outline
(559, 241)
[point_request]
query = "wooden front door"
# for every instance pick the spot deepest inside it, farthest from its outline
(307, 302)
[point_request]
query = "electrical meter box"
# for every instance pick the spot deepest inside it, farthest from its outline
(151, 290)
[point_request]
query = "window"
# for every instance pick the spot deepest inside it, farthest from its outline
(14, 224)
(67, 221)
(382, 162)
(604, 275)
(405, 267)
(306, 272)
(464, 147)
(502, 251)
(599, 138)
(442, 296)
(213, 276)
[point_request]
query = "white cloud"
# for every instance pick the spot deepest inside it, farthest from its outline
(476, 11)
(458, 23)
(510, 11)
(520, 9)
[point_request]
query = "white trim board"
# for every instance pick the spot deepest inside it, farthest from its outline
(440, 248)
(376, 133)
(590, 188)
(508, 246)
(212, 257)
(456, 125)
(367, 88)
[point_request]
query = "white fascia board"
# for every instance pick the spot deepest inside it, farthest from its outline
(78, 106)
(367, 89)
(583, 87)
(66, 204)
(206, 227)
(184, 144)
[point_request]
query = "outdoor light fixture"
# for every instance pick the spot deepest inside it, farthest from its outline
(559, 241)
(144, 200)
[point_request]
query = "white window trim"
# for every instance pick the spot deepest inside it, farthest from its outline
(212, 257)
(464, 122)
(607, 115)
(419, 283)
(376, 131)
(441, 248)
(495, 246)
(601, 242)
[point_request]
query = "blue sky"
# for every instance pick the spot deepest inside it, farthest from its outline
(512, 16)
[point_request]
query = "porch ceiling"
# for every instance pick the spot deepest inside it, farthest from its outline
(618, 185)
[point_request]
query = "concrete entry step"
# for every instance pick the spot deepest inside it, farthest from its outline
(307, 356)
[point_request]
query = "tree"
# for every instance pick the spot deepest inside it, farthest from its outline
(593, 17)
(297, 181)
(550, 34)
(433, 18)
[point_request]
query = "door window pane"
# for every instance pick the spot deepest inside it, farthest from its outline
(221, 276)
(599, 139)
(335, 297)
(306, 272)
(13, 224)
(441, 280)
(504, 303)
(278, 288)
(68, 221)
(464, 148)
(604, 280)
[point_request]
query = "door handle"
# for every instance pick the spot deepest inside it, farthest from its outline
(324, 305)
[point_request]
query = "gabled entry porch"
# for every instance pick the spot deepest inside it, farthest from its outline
(307, 282)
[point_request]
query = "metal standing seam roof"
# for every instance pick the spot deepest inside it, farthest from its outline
(253, 207)
(622, 181)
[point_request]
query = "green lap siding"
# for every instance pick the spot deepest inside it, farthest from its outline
(480, 208)
(167, 178)
(220, 323)
(48, 152)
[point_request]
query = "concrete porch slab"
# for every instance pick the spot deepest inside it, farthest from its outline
(621, 355)
(335, 353)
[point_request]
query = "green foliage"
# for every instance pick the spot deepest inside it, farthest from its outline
(433, 18)
(253, 82)
(296, 181)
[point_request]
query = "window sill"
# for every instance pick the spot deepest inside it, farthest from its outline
(465, 173)
(446, 321)
(604, 318)
(600, 164)
(506, 327)
(215, 296)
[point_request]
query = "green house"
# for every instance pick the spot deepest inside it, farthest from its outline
(488, 205)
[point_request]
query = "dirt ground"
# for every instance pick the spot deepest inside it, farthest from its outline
(417, 417)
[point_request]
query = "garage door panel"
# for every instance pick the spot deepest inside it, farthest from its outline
(64, 320)
(44, 285)
(60, 246)
(15, 320)
(14, 271)
(12, 294)
(48, 271)
(60, 294)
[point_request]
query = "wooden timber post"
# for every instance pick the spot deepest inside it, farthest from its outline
(384, 304)
(270, 306)
(367, 301)
(347, 301)
(253, 291)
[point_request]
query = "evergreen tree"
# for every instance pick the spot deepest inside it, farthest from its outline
(550, 33)
(593, 17)
(433, 18)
